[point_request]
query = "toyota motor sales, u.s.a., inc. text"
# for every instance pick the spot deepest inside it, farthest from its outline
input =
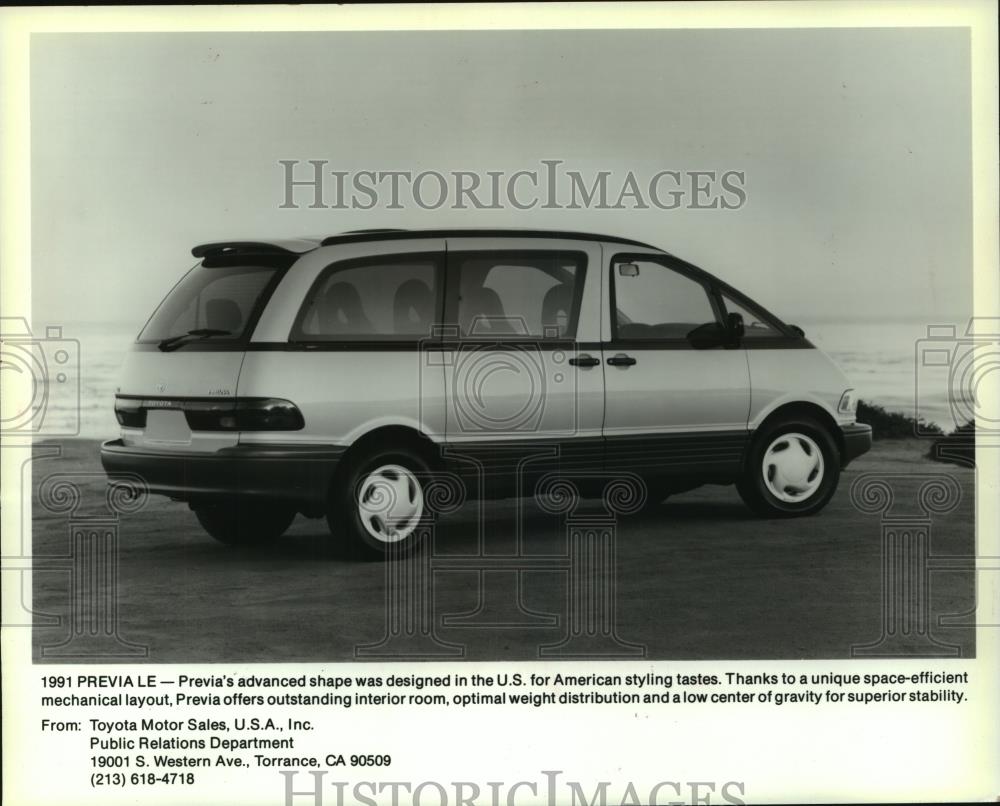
(192, 730)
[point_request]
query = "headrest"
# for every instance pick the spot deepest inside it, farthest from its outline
(556, 307)
(483, 313)
(413, 307)
(343, 296)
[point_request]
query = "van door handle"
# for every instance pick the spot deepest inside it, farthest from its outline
(621, 360)
(585, 361)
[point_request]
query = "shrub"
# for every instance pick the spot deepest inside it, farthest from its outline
(892, 424)
(958, 448)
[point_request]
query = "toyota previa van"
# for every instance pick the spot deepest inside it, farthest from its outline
(349, 377)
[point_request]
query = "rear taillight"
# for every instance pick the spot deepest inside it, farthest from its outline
(268, 414)
(210, 415)
(244, 414)
(235, 414)
(130, 412)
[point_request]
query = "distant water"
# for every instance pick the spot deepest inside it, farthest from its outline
(887, 362)
(878, 357)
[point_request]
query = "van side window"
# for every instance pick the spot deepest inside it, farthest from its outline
(755, 325)
(381, 299)
(654, 302)
(513, 295)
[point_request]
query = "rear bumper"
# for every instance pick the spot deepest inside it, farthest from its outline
(299, 474)
(857, 440)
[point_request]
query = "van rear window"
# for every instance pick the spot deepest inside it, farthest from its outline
(225, 300)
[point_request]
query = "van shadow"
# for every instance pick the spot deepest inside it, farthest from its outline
(495, 532)
(708, 512)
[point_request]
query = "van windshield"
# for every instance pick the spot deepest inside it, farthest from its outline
(219, 302)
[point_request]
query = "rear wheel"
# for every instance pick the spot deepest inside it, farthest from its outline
(380, 505)
(238, 523)
(792, 469)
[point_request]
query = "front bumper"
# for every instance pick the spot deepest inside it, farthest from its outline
(298, 474)
(857, 440)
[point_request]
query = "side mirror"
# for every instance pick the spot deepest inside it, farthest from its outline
(628, 270)
(798, 331)
(707, 336)
(734, 329)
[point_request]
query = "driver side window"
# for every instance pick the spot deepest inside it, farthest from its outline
(653, 302)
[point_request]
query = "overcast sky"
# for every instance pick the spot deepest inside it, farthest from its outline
(855, 145)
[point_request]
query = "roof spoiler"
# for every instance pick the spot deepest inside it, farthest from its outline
(248, 248)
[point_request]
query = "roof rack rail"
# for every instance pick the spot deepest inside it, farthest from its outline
(359, 236)
(374, 229)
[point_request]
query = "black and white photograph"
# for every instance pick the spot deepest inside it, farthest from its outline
(489, 364)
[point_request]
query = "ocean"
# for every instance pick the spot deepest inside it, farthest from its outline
(884, 361)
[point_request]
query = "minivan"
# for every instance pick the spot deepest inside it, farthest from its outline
(351, 376)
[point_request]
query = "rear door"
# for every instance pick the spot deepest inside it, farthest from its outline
(523, 377)
(670, 408)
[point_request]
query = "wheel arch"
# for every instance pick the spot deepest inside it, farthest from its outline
(341, 509)
(805, 408)
(392, 436)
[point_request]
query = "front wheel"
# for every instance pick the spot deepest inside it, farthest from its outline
(380, 506)
(238, 523)
(792, 469)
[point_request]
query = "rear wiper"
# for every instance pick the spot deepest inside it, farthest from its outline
(173, 342)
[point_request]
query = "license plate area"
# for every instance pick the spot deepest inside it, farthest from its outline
(167, 426)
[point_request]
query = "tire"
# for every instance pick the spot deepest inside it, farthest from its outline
(245, 523)
(379, 505)
(792, 469)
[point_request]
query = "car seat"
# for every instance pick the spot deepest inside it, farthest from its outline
(413, 308)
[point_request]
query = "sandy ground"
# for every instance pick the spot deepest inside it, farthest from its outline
(699, 577)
